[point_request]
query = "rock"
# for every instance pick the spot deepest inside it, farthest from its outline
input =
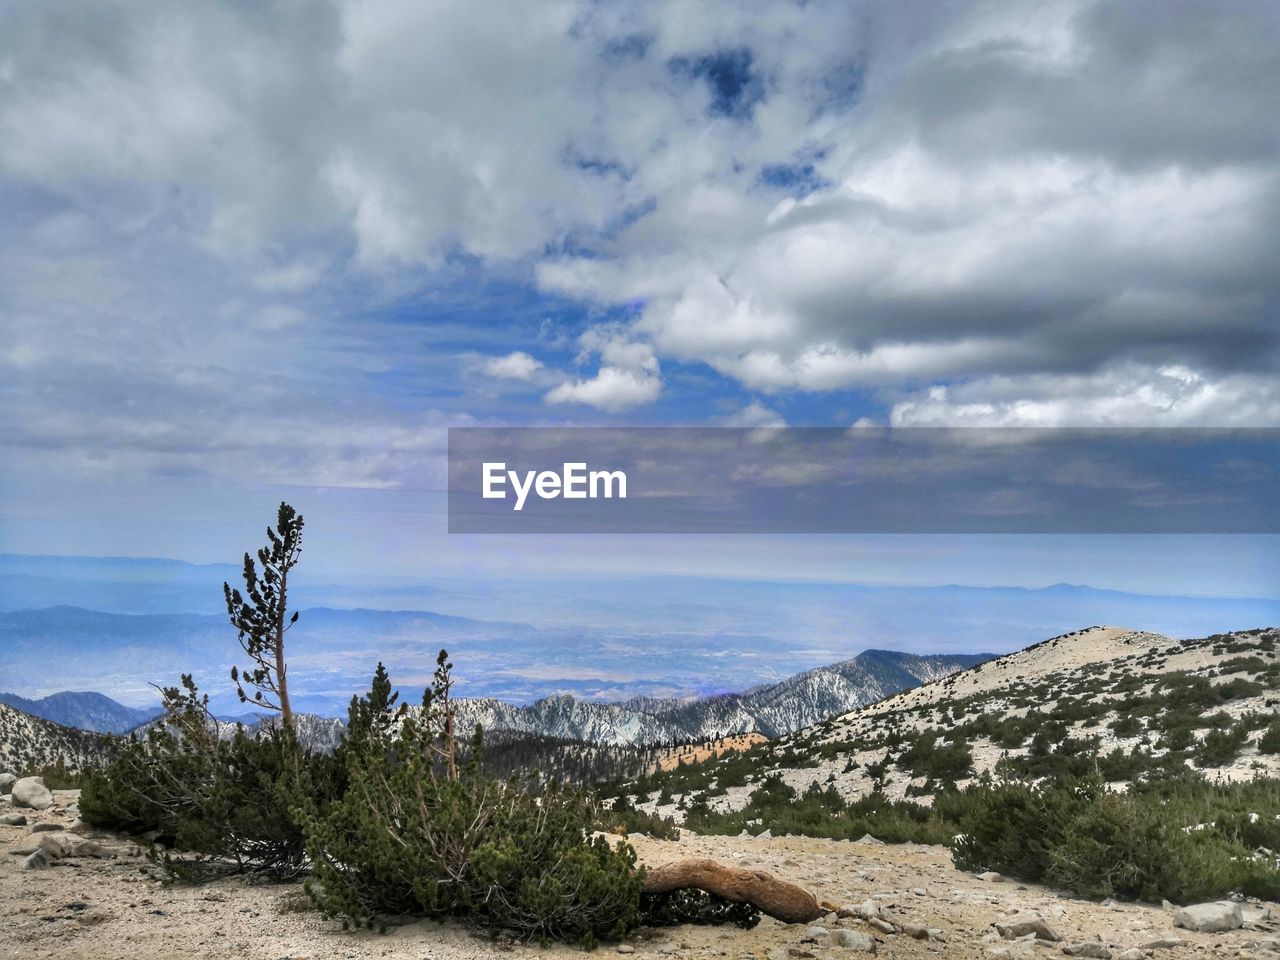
(13, 820)
(1089, 948)
(31, 792)
(1163, 943)
(1210, 917)
(884, 926)
(853, 940)
(626, 948)
(80, 847)
(916, 932)
(7, 780)
(52, 845)
(868, 838)
(816, 934)
(1133, 953)
(990, 877)
(765, 835)
(47, 828)
(37, 861)
(1026, 926)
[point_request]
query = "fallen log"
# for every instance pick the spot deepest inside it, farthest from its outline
(777, 898)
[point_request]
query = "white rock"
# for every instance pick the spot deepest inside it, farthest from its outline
(853, 940)
(31, 792)
(7, 780)
(1210, 917)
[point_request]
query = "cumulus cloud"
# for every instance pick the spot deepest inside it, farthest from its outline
(629, 374)
(514, 366)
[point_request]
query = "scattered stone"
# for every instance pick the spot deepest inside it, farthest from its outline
(868, 838)
(7, 780)
(80, 847)
(37, 861)
(815, 934)
(1163, 943)
(1210, 917)
(1026, 926)
(52, 845)
(884, 926)
(765, 835)
(1093, 949)
(919, 892)
(991, 877)
(916, 932)
(13, 820)
(853, 940)
(626, 948)
(47, 827)
(32, 793)
(1133, 953)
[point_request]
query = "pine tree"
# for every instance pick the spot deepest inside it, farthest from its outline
(263, 622)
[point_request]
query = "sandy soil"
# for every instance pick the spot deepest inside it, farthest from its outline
(113, 908)
(704, 751)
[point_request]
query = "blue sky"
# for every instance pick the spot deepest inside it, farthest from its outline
(262, 252)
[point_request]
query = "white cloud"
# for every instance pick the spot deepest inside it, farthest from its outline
(514, 366)
(612, 389)
(629, 375)
(754, 414)
(1129, 396)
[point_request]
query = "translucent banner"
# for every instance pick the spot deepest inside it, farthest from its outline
(862, 480)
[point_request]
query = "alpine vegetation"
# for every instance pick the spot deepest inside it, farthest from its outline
(400, 820)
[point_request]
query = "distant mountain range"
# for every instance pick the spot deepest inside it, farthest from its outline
(773, 710)
(83, 710)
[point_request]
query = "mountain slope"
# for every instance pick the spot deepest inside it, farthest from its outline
(82, 710)
(30, 743)
(1120, 704)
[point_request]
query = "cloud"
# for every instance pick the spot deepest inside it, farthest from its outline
(1128, 396)
(514, 366)
(754, 414)
(218, 216)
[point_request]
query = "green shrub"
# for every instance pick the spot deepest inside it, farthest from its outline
(1117, 847)
(411, 838)
(1269, 742)
(1013, 828)
(220, 804)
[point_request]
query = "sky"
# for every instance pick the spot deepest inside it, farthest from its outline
(271, 250)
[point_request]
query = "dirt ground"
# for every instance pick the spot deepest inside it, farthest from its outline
(112, 908)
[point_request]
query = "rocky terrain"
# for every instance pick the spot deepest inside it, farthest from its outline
(1127, 698)
(30, 743)
(100, 900)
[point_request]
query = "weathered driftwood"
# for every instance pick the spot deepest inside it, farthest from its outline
(779, 899)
